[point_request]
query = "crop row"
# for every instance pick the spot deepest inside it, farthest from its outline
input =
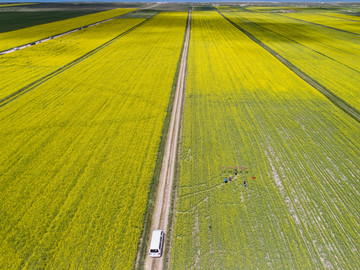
(328, 56)
(243, 107)
(78, 154)
(21, 68)
(30, 34)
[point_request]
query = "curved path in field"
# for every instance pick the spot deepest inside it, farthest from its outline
(160, 217)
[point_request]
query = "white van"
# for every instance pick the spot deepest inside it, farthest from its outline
(156, 244)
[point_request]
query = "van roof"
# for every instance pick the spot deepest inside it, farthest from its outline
(155, 239)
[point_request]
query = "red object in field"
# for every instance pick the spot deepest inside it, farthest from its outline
(240, 168)
(253, 177)
(235, 167)
(246, 168)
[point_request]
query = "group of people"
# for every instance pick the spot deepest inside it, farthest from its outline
(226, 180)
(236, 172)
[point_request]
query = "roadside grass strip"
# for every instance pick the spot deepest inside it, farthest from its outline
(78, 154)
(23, 69)
(329, 57)
(341, 24)
(27, 35)
(244, 108)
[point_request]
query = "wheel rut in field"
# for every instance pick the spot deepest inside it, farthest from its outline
(31, 86)
(340, 103)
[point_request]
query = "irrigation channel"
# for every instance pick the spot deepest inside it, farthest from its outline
(160, 217)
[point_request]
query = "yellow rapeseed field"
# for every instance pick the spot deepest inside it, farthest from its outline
(245, 108)
(344, 24)
(78, 154)
(341, 15)
(330, 57)
(18, 4)
(21, 68)
(26, 35)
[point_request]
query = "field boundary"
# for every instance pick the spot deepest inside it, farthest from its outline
(337, 101)
(4, 101)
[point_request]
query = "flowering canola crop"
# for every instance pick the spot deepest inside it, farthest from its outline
(328, 56)
(19, 4)
(78, 154)
(24, 67)
(244, 108)
(30, 34)
(343, 16)
(343, 24)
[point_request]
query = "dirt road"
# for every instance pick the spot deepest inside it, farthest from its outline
(163, 197)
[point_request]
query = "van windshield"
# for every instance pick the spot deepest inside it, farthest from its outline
(154, 250)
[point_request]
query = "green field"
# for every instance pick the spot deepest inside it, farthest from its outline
(271, 90)
(10, 21)
(17, 16)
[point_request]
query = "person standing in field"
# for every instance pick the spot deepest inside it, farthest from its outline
(226, 180)
(244, 183)
(230, 178)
